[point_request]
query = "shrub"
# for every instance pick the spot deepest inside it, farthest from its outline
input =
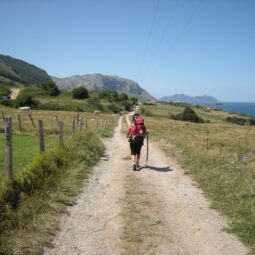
(42, 189)
(50, 88)
(4, 91)
(25, 99)
(80, 93)
(241, 121)
(188, 115)
(114, 108)
(123, 96)
(94, 104)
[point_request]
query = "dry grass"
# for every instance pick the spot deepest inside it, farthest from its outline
(49, 120)
(219, 157)
(141, 224)
(26, 141)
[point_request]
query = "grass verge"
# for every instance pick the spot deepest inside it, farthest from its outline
(214, 155)
(31, 203)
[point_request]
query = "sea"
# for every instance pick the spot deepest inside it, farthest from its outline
(246, 108)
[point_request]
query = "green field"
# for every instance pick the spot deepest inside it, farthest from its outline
(26, 141)
(25, 148)
(219, 157)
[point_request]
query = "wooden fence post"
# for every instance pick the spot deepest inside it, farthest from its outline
(31, 118)
(107, 123)
(3, 117)
(79, 124)
(41, 137)
(8, 146)
(61, 132)
(73, 127)
(57, 120)
(19, 120)
(207, 140)
(97, 123)
(83, 122)
(78, 118)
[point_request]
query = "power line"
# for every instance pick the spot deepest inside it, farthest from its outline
(170, 17)
(148, 38)
(190, 19)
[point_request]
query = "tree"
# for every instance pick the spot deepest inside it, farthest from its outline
(188, 115)
(51, 88)
(80, 93)
(25, 99)
(123, 96)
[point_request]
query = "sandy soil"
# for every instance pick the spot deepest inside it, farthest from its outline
(14, 93)
(176, 218)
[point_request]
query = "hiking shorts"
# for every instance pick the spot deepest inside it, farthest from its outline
(135, 147)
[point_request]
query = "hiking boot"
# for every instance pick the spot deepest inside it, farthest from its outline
(134, 167)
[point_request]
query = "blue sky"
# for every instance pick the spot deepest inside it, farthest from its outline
(195, 47)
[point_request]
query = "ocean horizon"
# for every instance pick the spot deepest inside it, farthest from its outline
(247, 108)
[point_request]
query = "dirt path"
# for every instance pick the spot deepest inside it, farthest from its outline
(14, 93)
(157, 210)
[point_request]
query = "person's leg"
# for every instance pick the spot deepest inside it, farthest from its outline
(132, 151)
(138, 158)
(138, 153)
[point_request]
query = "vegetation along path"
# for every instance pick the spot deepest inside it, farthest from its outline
(157, 210)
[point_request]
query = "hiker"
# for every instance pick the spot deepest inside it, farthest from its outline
(136, 133)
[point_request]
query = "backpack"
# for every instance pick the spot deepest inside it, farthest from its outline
(138, 130)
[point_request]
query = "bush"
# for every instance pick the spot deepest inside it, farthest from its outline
(80, 93)
(188, 115)
(93, 104)
(127, 104)
(50, 88)
(41, 190)
(241, 121)
(4, 91)
(25, 99)
(114, 108)
(123, 96)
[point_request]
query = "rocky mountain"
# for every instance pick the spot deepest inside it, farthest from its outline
(192, 100)
(103, 82)
(20, 71)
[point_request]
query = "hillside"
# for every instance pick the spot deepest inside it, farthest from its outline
(192, 100)
(20, 71)
(103, 82)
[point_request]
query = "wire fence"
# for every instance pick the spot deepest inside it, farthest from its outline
(234, 145)
(24, 135)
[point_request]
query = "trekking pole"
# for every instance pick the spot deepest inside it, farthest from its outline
(147, 155)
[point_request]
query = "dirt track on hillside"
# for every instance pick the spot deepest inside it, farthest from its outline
(14, 93)
(157, 210)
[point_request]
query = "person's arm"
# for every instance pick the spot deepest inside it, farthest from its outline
(128, 133)
(145, 131)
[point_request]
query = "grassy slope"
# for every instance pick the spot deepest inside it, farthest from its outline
(66, 102)
(227, 181)
(30, 223)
